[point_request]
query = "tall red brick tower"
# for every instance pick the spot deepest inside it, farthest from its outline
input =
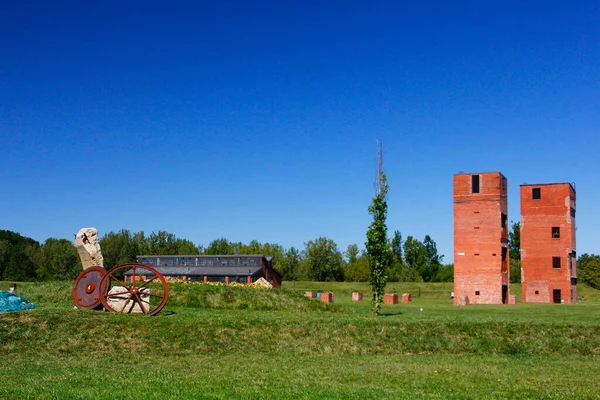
(481, 238)
(548, 267)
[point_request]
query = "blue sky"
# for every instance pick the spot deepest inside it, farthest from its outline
(258, 120)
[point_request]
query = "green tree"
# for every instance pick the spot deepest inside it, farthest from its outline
(396, 248)
(20, 266)
(291, 264)
(591, 274)
(377, 244)
(358, 271)
(275, 250)
(584, 259)
(58, 260)
(163, 243)
(434, 260)
(5, 252)
(254, 247)
(396, 268)
(515, 271)
(407, 274)
(225, 247)
(422, 259)
(186, 247)
(357, 265)
(588, 266)
(322, 261)
(140, 244)
(415, 256)
(219, 246)
(514, 252)
(445, 273)
(123, 247)
(119, 248)
(352, 253)
(17, 257)
(514, 241)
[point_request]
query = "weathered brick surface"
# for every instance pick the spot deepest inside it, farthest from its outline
(554, 209)
(480, 234)
(461, 300)
(390, 298)
(327, 297)
(357, 296)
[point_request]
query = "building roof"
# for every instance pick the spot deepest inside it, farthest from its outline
(479, 173)
(203, 255)
(572, 184)
(208, 271)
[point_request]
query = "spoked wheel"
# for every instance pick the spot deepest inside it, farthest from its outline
(134, 288)
(86, 288)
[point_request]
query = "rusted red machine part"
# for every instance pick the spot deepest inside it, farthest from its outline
(86, 288)
(136, 285)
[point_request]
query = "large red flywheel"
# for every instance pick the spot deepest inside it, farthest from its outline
(134, 288)
(128, 288)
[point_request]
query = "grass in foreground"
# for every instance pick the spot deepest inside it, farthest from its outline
(208, 344)
(292, 376)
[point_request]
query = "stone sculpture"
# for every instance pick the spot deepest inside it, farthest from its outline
(87, 243)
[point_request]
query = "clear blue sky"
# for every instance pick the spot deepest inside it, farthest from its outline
(258, 120)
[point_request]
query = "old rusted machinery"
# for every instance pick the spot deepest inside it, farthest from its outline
(127, 288)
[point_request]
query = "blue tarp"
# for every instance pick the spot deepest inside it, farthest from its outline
(11, 302)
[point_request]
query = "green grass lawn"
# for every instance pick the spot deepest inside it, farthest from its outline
(224, 342)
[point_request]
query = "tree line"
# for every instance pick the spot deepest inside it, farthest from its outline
(24, 259)
(409, 260)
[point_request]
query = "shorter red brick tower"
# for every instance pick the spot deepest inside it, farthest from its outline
(481, 238)
(548, 266)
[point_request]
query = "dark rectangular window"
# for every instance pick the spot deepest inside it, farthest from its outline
(556, 232)
(477, 293)
(556, 296)
(503, 218)
(556, 262)
(504, 252)
(474, 183)
(536, 193)
(572, 212)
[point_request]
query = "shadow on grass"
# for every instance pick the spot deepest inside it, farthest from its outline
(391, 313)
(165, 313)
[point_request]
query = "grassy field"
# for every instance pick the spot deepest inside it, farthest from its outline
(227, 342)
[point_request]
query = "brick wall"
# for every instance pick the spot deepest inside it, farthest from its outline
(541, 218)
(480, 235)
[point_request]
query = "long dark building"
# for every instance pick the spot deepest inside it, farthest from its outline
(215, 268)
